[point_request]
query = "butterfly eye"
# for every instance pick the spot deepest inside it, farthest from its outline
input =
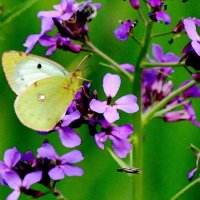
(39, 66)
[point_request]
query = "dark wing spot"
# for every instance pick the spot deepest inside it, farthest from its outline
(22, 79)
(39, 66)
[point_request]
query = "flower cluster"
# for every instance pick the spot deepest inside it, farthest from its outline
(157, 14)
(156, 87)
(20, 171)
(70, 18)
(86, 108)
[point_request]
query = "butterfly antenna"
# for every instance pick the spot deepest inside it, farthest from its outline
(83, 79)
(83, 60)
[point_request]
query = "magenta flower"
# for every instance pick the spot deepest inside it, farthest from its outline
(127, 103)
(70, 18)
(190, 28)
(128, 67)
(68, 136)
(63, 11)
(135, 4)
(124, 30)
(11, 158)
(157, 14)
(19, 185)
(118, 136)
(47, 25)
(64, 164)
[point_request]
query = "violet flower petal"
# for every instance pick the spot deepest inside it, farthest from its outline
(31, 179)
(163, 16)
(170, 57)
(196, 47)
(111, 114)
(121, 147)
(98, 106)
(127, 103)
(47, 151)
(14, 195)
(122, 32)
(128, 67)
(72, 170)
(122, 132)
(72, 157)
(13, 180)
(190, 29)
(68, 119)
(154, 3)
(191, 174)
(11, 157)
(100, 138)
(69, 137)
(158, 52)
(56, 173)
(111, 84)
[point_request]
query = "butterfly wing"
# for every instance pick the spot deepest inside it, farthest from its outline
(22, 70)
(42, 105)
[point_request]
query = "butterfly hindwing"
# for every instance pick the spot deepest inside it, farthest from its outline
(23, 70)
(42, 105)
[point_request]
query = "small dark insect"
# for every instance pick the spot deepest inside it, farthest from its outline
(87, 13)
(129, 170)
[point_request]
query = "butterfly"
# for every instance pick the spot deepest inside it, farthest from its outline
(44, 89)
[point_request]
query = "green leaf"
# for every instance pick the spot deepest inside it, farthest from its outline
(10, 15)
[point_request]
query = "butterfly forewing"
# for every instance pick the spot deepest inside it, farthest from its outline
(23, 70)
(43, 104)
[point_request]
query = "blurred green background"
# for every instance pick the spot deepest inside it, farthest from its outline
(167, 157)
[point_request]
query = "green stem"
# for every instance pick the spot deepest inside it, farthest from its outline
(138, 142)
(163, 111)
(108, 59)
(166, 64)
(136, 40)
(149, 114)
(185, 189)
(161, 34)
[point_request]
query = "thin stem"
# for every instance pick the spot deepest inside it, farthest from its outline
(161, 34)
(163, 111)
(136, 40)
(142, 17)
(166, 64)
(108, 59)
(138, 142)
(185, 189)
(149, 114)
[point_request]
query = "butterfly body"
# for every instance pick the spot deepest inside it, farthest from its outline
(44, 88)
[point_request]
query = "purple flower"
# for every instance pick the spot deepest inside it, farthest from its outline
(128, 67)
(187, 113)
(118, 136)
(58, 42)
(47, 25)
(69, 17)
(64, 164)
(19, 185)
(63, 11)
(124, 30)
(157, 14)
(135, 4)
(190, 28)
(68, 136)
(154, 81)
(11, 158)
(127, 103)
